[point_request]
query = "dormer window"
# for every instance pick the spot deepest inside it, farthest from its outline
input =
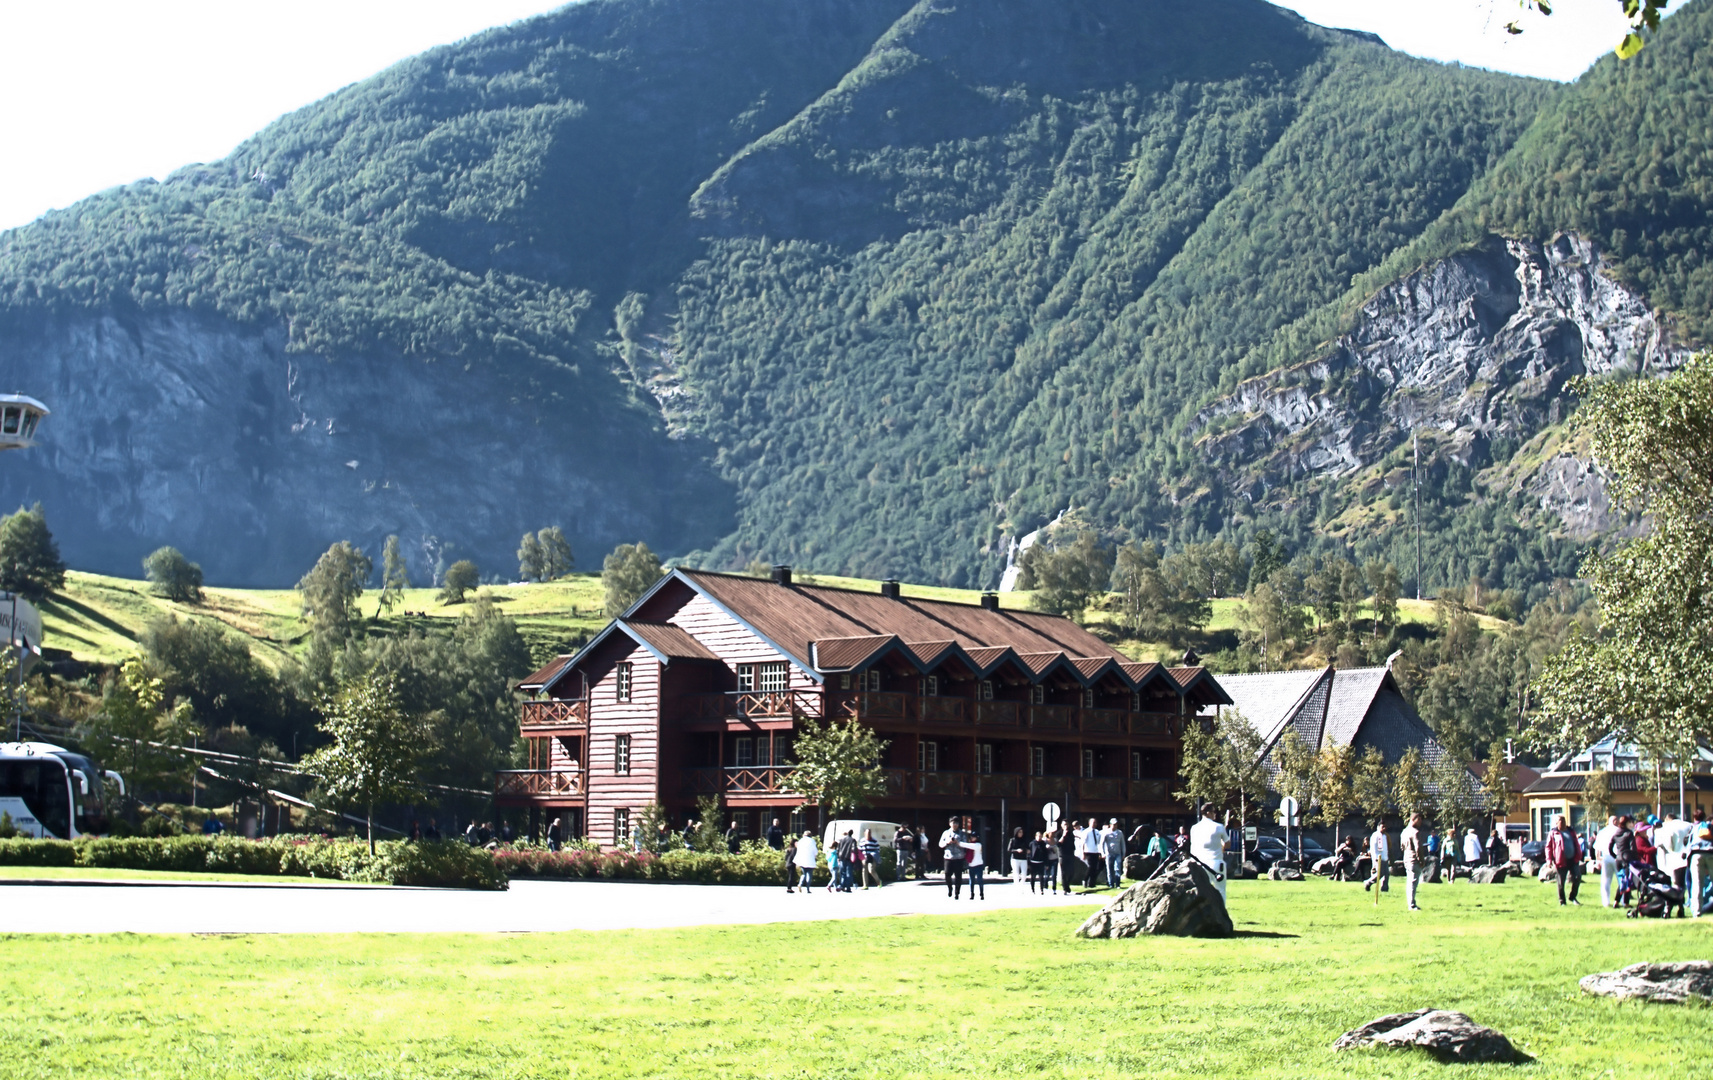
(1088, 698)
(1038, 694)
(930, 686)
(987, 689)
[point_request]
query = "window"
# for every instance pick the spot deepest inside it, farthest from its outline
(746, 678)
(930, 686)
(743, 752)
(1135, 764)
(874, 681)
(845, 681)
(1038, 694)
(763, 750)
(621, 827)
(621, 680)
(1088, 764)
(740, 821)
(775, 677)
(795, 823)
(987, 689)
(927, 755)
(984, 758)
(1088, 698)
(1038, 761)
(1136, 701)
(621, 755)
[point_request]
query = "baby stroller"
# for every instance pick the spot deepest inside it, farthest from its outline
(1656, 895)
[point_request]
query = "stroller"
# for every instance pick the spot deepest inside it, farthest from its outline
(1656, 895)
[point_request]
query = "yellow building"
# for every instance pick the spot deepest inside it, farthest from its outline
(1632, 778)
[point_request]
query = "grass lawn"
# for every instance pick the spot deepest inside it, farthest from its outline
(1004, 994)
(103, 873)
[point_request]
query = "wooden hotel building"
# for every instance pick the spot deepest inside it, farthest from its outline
(699, 687)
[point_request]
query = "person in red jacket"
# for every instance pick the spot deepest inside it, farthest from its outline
(1564, 855)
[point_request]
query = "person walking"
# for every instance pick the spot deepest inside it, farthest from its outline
(1018, 852)
(1608, 862)
(846, 861)
(903, 849)
(789, 855)
(1380, 853)
(977, 866)
(776, 836)
(1495, 847)
(1055, 839)
(1113, 851)
(555, 835)
(1624, 854)
(1415, 858)
(1473, 852)
(1564, 855)
(1089, 840)
(952, 857)
(732, 838)
(924, 853)
(869, 849)
(1159, 846)
(1037, 862)
(805, 861)
(1431, 849)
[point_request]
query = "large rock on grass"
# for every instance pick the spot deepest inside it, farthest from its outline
(1138, 867)
(1182, 902)
(1285, 873)
(1489, 875)
(1669, 984)
(1448, 1036)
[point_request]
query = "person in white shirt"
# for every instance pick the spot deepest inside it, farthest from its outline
(1608, 864)
(1208, 841)
(1380, 853)
(1473, 853)
(1672, 839)
(805, 862)
(977, 866)
(1093, 863)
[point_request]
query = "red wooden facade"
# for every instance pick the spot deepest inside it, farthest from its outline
(698, 688)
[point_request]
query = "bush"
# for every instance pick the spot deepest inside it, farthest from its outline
(754, 864)
(448, 864)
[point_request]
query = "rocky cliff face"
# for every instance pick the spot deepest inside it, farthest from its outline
(1472, 349)
(185, 429)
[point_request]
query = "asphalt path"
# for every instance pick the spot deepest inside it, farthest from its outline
(155, 907)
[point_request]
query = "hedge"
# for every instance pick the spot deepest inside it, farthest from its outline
(448, 863)
(754, 864)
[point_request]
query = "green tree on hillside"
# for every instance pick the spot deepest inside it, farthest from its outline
(174, 576)
(331, 589)
(134, 731)
(1065, 581)
(529, 558)
(461, 577)
(626, 574)
(556, 557)
(29, 559)
(395, 575)
(1383, 591)
(375, 748)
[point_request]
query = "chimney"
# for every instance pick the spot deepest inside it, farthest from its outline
(782, 575)
(889, 589)
(990, 601)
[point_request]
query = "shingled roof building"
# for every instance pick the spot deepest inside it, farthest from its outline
(698, 688)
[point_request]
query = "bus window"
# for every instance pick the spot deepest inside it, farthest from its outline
(42, 786)
(31, 417)
(10, 425)
(91, 813)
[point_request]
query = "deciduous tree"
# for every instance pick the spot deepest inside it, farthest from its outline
(1065, 581)
(529, 558)
(626, 574)
(1371, 784)
(1410, 781)
(395, 575)
(1337, 773)
(556, 557)
(134, 731)
(375, 749)
(173, 576)
(461, 577)
(331, 589)
(836, 765)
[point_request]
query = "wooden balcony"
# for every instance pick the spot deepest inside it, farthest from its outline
(1050, 787)
(885, 706)
(942, 783)
(541, 717)
(1101, 788)
(945, 710)
(1052, 717)
(1102, 721)
(1156, 790)
(739, 780)
(1146, 723)
(897, 783)
(1007, 785)
(538, 783)
(757, 705)
(996, 714)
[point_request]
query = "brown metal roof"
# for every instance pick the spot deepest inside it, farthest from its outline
(542, 675)
(843, 654)
(669, 641)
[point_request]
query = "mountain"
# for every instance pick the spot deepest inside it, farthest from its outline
(871, 286)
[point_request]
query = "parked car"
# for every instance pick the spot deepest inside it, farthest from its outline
(1536, 850)
(1270, 849)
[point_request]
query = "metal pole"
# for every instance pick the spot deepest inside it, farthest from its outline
(1416, 507)
(18, 695)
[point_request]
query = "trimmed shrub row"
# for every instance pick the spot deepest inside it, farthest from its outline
(754, 864)
(449, 863)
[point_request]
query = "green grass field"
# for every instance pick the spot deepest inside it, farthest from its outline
(1002, 994)
(102, 873)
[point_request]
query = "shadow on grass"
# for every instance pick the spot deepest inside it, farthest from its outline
(59, 604)
(1263, 933)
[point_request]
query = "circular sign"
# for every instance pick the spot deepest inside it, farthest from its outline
(1288, 810)
(1050, 813)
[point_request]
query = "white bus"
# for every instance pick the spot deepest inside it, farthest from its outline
(53, 792)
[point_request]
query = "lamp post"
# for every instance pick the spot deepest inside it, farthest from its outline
(19, 416)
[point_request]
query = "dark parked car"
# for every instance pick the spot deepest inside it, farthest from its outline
(1536, 850)
(1270, 849)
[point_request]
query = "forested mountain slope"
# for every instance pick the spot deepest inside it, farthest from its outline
(866, 285)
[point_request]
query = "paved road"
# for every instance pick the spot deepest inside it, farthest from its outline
(529, 906)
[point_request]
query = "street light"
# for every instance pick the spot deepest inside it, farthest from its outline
(19, 415)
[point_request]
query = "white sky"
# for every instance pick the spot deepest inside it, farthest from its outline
(95, 93)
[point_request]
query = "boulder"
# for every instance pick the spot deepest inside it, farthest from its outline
(1448, 1036)
(1545, 873)
(1488, 875)
(1670, 984)
(1326, 866)
(1247, 871)
(1285, 873)
(1138, 867)
(1182, 902)
(1533, 868)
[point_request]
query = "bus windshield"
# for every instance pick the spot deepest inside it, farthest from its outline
(91, 804)
(40, 784)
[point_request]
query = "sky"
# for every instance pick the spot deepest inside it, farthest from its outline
(95, 93)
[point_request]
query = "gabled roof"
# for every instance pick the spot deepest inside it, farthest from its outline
(1352, 695)
(1269, 701)
(668, 642)
(544, 674)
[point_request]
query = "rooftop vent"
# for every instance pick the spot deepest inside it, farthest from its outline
(990, 601)
(889, 589)
(782, 575)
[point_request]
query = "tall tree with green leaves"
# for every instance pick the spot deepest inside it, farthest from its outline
(836, 765)
(134, 732)
(1297, 772)
(626, 574)
(1221, 764)
(395, 575)
(529, 558)
(1371, 784)
(1337, 797)
(173, 576)
(331, 589)
(1410, 779)
(461, 577)
(1597, 799)
(375, 749)
(1383, 589)
(556, 559)
(29, 558)
(1066, 580)
(1497, 780)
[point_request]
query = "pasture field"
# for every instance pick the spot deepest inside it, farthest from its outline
(1001, 994)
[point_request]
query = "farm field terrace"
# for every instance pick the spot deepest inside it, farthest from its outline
(1003, 994)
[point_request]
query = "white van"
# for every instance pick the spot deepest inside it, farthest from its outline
(884, 831)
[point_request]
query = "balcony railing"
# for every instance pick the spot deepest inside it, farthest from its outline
(1147, 723)
(996, 714)
(1103, 721)
(1050, 787)
(1150, 791)
(1052, 717)
(883, 706)
(1100, 787)
(1009, 785)
(758, 705)
(941, 783)
(538, 783)
(554, 714)
(945, 710)
(738, 780)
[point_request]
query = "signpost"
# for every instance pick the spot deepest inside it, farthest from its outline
(1288, 816)
(1050, 814)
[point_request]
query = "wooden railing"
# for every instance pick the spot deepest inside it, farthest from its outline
(897, 783)
(538, 783)
(1050, 787)
(737, 780)
(554, 714)
(1102, 721)
(941, 783)
(1100, 787)
(1052, 717)
(758, 705)
(1147, 723)
(1150, 791)
(996, 713)
(945, 710)
(999, 784)
(883, 706)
